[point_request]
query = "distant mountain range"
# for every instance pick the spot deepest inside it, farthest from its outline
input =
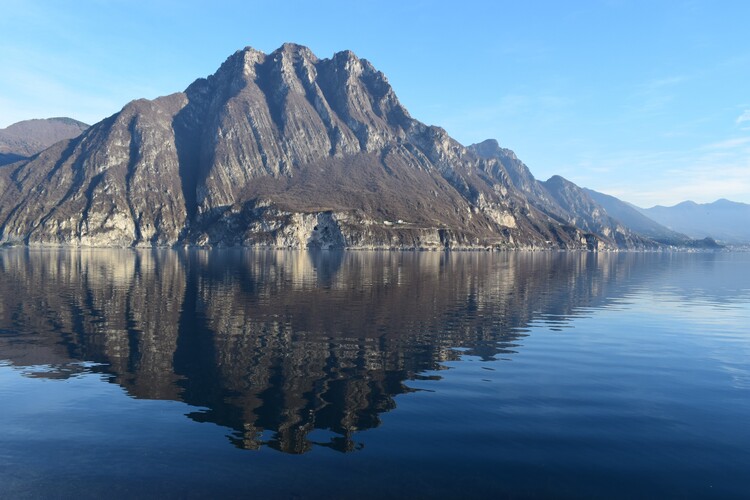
(289, 150)
(27, 138)
(723, 220)
(637, 221)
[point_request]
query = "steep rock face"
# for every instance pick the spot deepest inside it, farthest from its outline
(27, 138)
(517, 172)
(117, 185)
(3, 180)
(263, 152)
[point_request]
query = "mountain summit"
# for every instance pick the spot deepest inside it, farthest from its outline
(285, 149)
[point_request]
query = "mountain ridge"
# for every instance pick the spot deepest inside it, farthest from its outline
(723, 220)
(563, 200)
(289, 150)
(26, 138)
(632, 217)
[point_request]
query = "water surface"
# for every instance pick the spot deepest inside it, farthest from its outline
(371, 374)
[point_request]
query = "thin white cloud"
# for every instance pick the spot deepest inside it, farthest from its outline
(654, 95)
(728, 144)
(43, 96)
(660, 83)
(744, 117)
(43, 85)
(473, 124)
(667, 193)
(703, 174)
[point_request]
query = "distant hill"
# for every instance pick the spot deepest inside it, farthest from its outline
(723, 220)
(27, 138)
(633, 218)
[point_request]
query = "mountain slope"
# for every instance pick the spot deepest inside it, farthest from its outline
(29, 137)
(283, 149)
(563, 200)
(723, 220)
(631, 217)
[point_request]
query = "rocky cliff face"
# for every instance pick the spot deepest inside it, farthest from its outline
(283, 150)
(583, 211)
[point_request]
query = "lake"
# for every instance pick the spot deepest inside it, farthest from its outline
(280, 374)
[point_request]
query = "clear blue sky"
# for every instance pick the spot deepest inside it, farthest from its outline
(646, 100)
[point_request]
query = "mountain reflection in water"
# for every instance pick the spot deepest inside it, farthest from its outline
(277, 344)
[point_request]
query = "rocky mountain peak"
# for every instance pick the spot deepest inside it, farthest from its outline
(344, 62)
(559, 182)
(295, 49)
(490, 148)
(283, 149)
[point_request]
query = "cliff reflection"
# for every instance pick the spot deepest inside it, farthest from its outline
(274, 345)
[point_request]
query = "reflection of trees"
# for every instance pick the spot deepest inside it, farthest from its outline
(285, 342)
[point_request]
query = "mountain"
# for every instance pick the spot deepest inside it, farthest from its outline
(723, 220)
(563, 200)
(634, 219)
(289, 150)
(27, 138)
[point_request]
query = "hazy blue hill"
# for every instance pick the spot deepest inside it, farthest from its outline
(632, 217)
(723, 220)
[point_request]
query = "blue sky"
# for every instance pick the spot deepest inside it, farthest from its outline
(645, 100)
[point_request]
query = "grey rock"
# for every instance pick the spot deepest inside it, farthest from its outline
(266, 150)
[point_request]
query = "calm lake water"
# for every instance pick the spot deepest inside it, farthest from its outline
(373, 375)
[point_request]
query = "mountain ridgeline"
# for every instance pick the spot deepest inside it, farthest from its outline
(29, 137)
(723, 220)
(288, 150)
